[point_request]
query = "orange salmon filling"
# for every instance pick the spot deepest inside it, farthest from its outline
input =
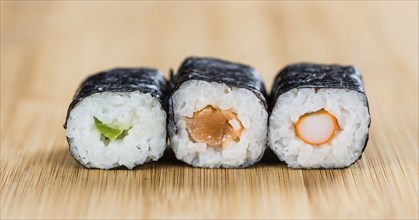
(316, 128)
(214, 126)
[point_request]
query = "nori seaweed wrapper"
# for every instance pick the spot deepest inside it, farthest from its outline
(144, 80)
(318, 76)
(220, 71)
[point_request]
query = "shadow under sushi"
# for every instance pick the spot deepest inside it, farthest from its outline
(61, 157)
(269, 158)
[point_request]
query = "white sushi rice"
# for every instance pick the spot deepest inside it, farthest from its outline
(351, 111)
(142, 113)
(195, 95)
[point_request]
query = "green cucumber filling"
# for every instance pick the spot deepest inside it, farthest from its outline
(109, 132)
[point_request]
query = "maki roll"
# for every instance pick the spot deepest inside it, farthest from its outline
(320, 116)
(118, 118)
(217, 114)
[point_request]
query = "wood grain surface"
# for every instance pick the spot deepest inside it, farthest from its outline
(48, 48)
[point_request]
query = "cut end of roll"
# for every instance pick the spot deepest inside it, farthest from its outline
(332, 136)
(113, 129)
(223, 129)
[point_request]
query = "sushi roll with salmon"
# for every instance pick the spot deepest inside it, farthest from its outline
(217, 114)
(118, 118)
(320, 116)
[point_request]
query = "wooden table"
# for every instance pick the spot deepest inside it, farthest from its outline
(48, 48)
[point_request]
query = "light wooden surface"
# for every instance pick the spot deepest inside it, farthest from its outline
(47, 48)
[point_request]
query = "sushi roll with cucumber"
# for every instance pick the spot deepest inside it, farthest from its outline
(320, 116)
(217, 114)
(118, 118)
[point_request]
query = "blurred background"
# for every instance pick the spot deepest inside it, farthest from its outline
(49, 47)
(64, 41)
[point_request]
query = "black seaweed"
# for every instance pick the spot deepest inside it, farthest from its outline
(145, 80)
(220, 71)
(309, 75)
(318, 76)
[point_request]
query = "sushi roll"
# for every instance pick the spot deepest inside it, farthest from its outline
(117, 118)
(217, 114)
(320, 116)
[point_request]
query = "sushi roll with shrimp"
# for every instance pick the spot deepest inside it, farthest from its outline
(320, 116)
(217, 114)
(117, 118)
